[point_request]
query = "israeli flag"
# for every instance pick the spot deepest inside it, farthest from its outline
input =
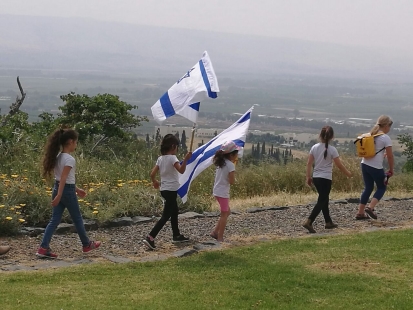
(183, 98)
(202, 157)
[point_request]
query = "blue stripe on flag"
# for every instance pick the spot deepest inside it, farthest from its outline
(211, 94)
(183, 190)
(166, 105)
(195, 106)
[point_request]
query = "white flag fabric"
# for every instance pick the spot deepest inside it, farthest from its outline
(183, 98)
(202, 157)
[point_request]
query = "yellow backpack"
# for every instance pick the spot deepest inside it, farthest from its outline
(365, 145)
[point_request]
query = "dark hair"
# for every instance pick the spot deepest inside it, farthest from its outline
(57, 139)
(168, 143)
(326, 134)
(220, 156)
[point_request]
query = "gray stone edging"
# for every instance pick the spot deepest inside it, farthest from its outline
(128, 221)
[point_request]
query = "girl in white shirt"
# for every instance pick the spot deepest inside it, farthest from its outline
(169, 169)
(224, 177)
(372, 169)
(323, 155)
(57, 158)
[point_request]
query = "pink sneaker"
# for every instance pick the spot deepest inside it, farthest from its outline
(45, 253)
(92, 245)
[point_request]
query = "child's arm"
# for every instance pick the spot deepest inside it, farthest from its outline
(231, 177)
(340, 166)
(390, 159)
(62, 184)
(154, 171)
(181, 168)
(310, 162)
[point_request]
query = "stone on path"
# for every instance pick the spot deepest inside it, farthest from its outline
(190, 215)
(141, 219)
(122, 221)
(184, 252)
(117, 259)
(154, 258)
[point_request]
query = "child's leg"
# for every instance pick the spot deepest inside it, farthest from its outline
(166, 214)
(368, 187)
(69, 199)
(57, 213)
(219, 229)
(326, 188)
(173, 206)
(323, 190)
(222, 223)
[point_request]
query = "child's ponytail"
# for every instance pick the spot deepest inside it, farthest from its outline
(382, 121)
(219, 159)
(326, 134)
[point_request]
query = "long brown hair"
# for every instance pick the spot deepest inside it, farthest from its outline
(168, 143)
(220, 156)
(55, 141)
(382, 121)
(326, 134)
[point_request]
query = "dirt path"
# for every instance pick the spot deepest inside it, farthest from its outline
(124, 244)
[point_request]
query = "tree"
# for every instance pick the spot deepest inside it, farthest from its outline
(183, 141)
(104, 115)
(406, 142)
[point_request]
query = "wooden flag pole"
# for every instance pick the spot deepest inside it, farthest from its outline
(192, 137)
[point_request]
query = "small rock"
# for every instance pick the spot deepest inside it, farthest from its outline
(190, 215)
(141, 219)
(117, 259)
(64, 228)
(184, 252)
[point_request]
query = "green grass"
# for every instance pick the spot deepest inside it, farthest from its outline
(357, 271)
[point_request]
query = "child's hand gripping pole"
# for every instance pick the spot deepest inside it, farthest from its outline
(192, 137)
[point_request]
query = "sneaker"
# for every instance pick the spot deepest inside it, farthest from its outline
(330, 225)
(371, 213)
(180, 238)
(45, 253)
(92, 245)
(150, 244)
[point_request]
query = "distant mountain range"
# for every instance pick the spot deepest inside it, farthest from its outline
(66, 44)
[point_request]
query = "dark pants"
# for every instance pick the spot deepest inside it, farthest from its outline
(170, 210)
(323, 187)
(370, 176)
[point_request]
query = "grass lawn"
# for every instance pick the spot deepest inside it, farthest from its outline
(358, 271)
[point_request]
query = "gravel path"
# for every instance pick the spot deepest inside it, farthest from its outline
(123, 244)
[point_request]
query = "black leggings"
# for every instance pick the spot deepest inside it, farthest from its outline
(323, 187)
(170, 210)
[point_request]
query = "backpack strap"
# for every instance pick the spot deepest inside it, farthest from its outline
(376, 135)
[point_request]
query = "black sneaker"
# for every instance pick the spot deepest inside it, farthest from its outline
(180, 238)
(149, 243)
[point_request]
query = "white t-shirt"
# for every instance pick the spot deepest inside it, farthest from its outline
(323, 168)
(65, 160)
(379, 143)
(167, 171)
(221, 185)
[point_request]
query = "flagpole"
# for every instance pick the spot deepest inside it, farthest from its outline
(192, 137)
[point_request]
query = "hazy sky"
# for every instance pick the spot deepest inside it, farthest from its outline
(385, 23)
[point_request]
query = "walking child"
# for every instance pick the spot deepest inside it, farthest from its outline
(372, 168)
(322, 155)
(169, 169)
(57, 158)
(224, 177)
